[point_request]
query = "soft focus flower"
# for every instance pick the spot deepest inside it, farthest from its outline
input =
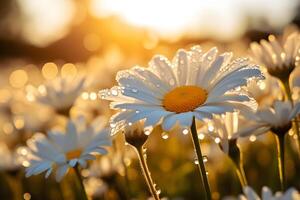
(225, 127)
(265, 91)
(76, 145)
(60, 93)
(106, 166)
(279, 58)
(95, 187)
(276, 118)
(249, 194)
(194, 84)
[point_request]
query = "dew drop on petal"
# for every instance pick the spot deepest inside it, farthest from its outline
(114, 92)
(172, 82)
(165, 135)
(134, 90)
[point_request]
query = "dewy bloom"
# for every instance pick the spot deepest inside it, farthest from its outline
(276, 118)
(78, 144)
(249, 194)
(225, 127)
(194, 84)
(60, 93)
(279, 58)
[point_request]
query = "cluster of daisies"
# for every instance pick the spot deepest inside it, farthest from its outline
(197, 92)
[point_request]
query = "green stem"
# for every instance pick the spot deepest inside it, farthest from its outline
(15, 185)
(146, 173)
(127, 182)
(80, 180)
(241, 175)
(201, 166)
(236, 156)
(280, 157)
(288, 94)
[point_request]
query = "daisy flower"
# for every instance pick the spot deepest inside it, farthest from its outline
(265, 91)
(224, 128)
(249, 194)
(277, 118)
(278, 57)
(60, 93)
(193, 84)
(64, 149)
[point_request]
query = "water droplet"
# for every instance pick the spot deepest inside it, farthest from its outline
(185, 131)
(205, 159)
(201, 136)
(114, 92)
(252, 138)
(172, 82)
(158, 191)
(165, 135)
(196, 161)
(210, 128)
(129, 124)
(217, 140)
(134, 90)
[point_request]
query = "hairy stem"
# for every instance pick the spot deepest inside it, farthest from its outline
(280, 157)
(288, 95)
(146, 173)
(80, 181)
(201, 166)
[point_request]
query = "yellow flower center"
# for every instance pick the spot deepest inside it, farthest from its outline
(73, 154)
(184, 99)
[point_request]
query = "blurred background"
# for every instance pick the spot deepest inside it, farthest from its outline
(43, 39)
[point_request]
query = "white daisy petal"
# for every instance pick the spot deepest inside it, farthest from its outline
(170, 121)
(181, 66)
(163, 69)
(61, 171)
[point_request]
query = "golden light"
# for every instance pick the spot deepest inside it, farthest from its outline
(49, 70)
(18, 78)
(4, 95)
(7, 128)
(46, 20)
(221, 20)
(91, 42)
(19, 122)
(85, 95)
(68, 69)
